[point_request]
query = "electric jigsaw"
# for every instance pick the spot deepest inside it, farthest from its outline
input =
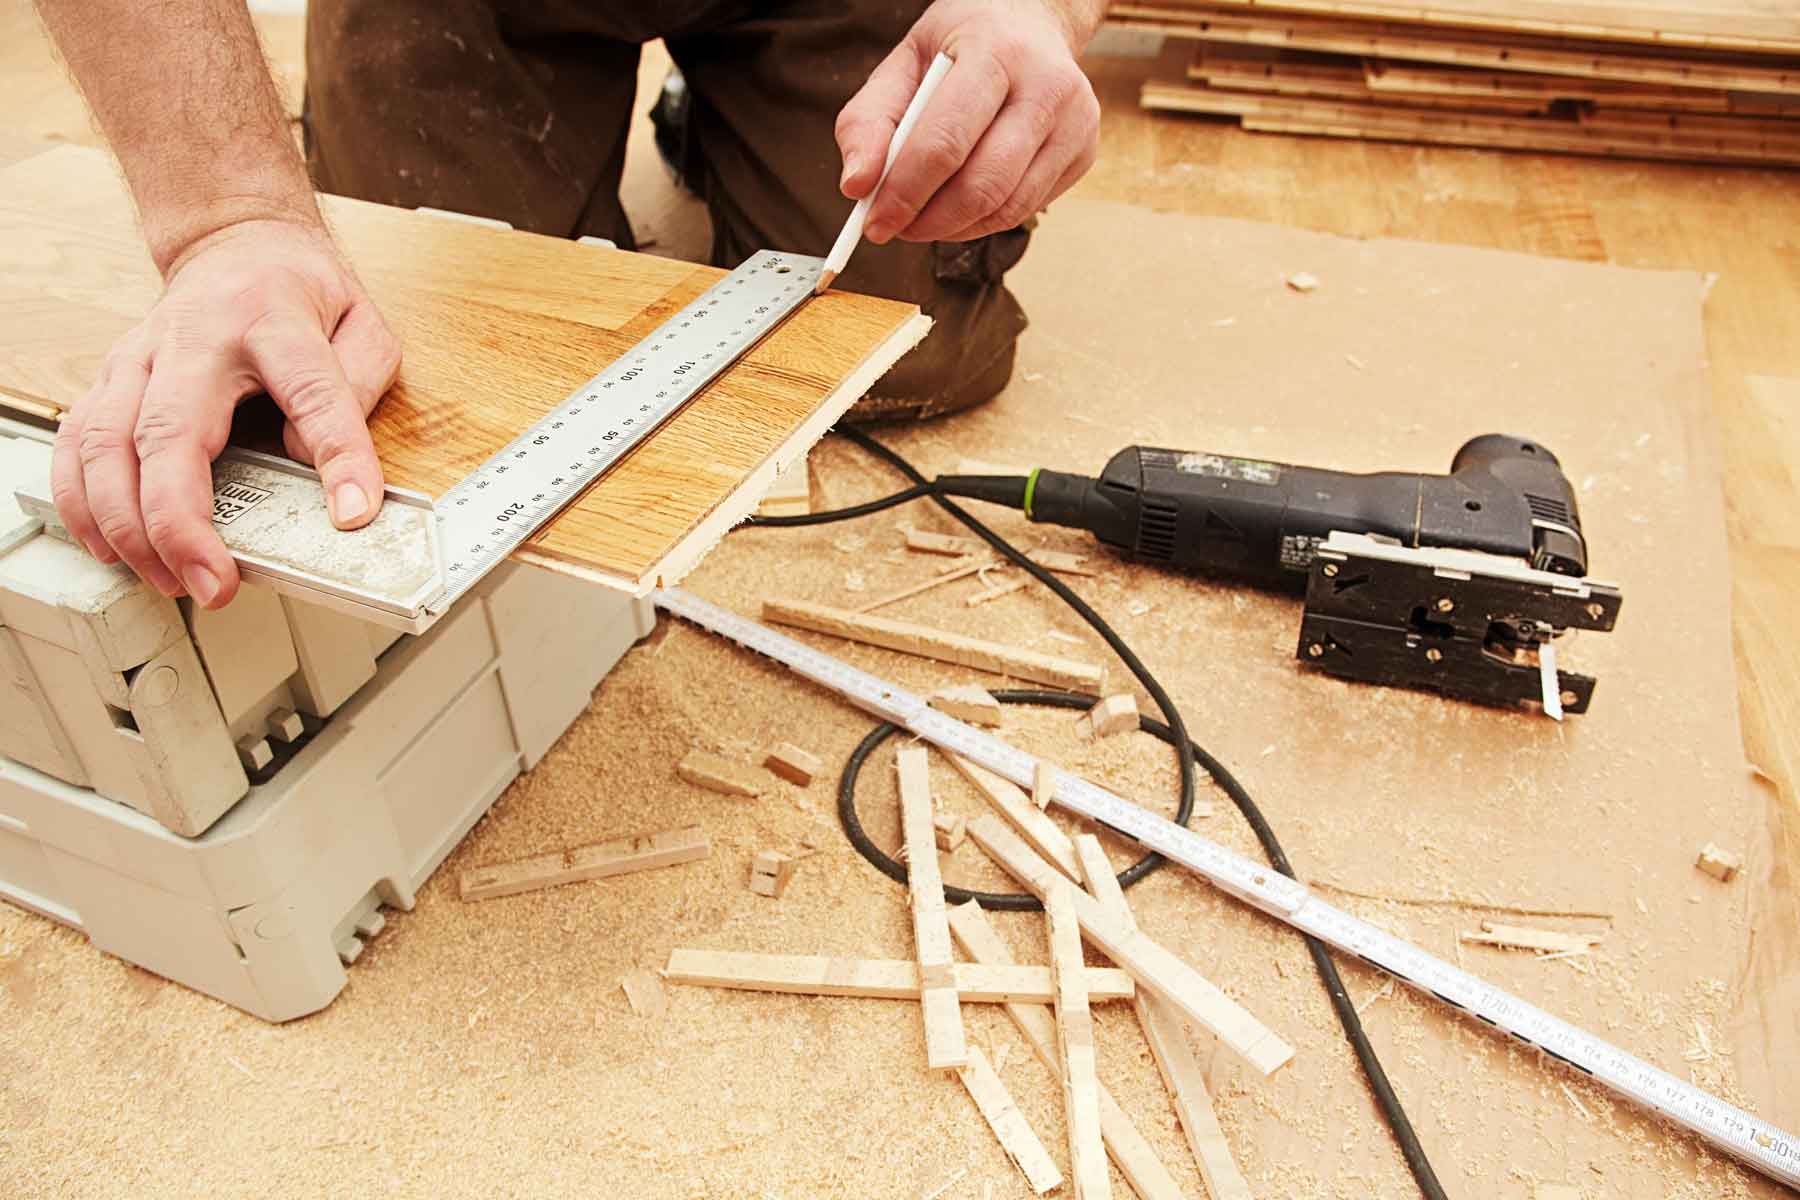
(1457, 583)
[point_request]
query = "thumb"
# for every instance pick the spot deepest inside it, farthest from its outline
(867, 123)
(326, 425)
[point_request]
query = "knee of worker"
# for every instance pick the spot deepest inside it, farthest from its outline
(967, 358)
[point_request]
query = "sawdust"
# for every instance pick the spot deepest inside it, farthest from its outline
(489, 1049)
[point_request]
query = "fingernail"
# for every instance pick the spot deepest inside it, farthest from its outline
(348, 503)
(202, 584)
(850, 164)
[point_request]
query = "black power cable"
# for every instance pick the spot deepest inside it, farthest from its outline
(1188, 752)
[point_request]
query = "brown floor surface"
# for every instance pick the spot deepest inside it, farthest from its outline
(484, 1049)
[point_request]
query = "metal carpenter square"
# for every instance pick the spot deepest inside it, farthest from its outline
(508, 498)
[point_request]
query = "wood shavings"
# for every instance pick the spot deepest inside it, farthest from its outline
(1450, 900)
(946, 1185)
(854, 582)
(1303, 281)
(1380, 993)
(996, 591)
(1575, 1102)
(1702, 1051)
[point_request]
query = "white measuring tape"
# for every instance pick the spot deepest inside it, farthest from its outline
(496, 507)
(1745, 1137)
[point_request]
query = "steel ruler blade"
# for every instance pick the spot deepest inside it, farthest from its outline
(500, 504)
(1748, 1138)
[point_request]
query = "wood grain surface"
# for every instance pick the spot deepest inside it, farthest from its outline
(1756, 25)
(1468, 48)
(498, 328)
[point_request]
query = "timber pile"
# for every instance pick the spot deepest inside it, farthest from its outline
(1691, 80)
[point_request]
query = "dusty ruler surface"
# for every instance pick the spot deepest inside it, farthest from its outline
(1744, 1136)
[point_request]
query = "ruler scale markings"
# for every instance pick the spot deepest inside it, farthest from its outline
(498, 506)
(1750, 1139)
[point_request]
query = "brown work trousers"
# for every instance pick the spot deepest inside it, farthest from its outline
(518, 109)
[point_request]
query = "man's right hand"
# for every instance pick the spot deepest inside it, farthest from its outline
(261, 305)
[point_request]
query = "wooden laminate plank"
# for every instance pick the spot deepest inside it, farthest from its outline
(1170, 1045)
(498, 328)
(1344, 78)
(617, 857)
(1417, 43)
(1729, 25)
(1008, 1123)
(1347, 119)
(1133, 1155)
(910, 638)
(1387, 77)
(945, 1045)
(878, 978)
(1152, 965)
(1075, 1042)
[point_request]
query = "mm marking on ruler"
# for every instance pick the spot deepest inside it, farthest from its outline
(487, 515)
(1748, 1138)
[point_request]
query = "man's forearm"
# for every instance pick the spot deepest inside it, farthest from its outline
(182, 93)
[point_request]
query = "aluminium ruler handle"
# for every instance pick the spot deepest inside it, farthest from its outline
(1750, 1139)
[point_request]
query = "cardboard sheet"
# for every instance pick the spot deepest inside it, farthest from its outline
(487, 1049)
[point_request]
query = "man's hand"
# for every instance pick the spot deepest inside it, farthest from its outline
(261, 305)
(1013, 125)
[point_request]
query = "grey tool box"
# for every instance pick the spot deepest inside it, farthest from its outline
(346, 760)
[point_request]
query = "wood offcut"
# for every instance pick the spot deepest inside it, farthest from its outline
(945, 1045)
(793, 764)
(1135, 1157)
(1718, 862)
(1075, 1042)
(770, 873)
(1008, 1123)
(968, 702)
(879, 978)
(716, 773)
(1033, 824)
(1170, 1045)
(923, 640)
(1521, 937)
(1117, 713)
(1151, 964)
(618, 857)
(644, 992)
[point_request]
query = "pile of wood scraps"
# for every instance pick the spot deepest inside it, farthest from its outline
(1691, 80)
(1050, 1005)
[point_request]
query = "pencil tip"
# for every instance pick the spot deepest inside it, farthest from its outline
(825, 278)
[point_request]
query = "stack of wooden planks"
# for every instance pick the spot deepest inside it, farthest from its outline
(1692, 80)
